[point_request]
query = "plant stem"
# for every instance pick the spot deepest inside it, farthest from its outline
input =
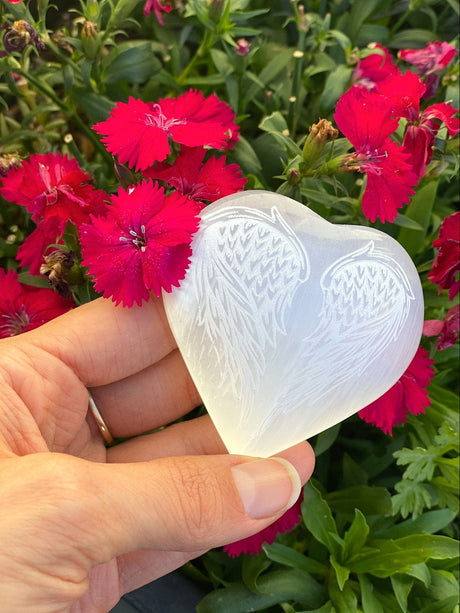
(67, 111)
(200, 52)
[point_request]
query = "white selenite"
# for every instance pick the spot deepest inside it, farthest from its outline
(289, 324)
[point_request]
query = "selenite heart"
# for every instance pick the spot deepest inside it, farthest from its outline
(289, 324)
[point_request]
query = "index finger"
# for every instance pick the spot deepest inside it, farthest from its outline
(103, 343)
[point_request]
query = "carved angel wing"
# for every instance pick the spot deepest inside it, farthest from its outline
(366, 297)
(248, 269)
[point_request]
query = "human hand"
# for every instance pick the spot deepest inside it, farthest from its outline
(82, 524)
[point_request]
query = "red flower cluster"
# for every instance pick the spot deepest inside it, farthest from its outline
(140, 132)
(408, 395)
(446, 266)
(141, 241)
(430, 61)
(23, 307)
(253, 544)
(369, 113)
(55, 190)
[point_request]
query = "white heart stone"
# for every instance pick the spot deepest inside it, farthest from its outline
(289, 324)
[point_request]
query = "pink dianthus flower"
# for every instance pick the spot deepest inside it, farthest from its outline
(23, 307)
(52, 184)
(140, 132)
(374, 68)
(191, 177)
(141, 245)
(157, 7)
(408, 395)
(446, 266)
(446, 330)
(253, 544)
(430, 61)
(365, 119)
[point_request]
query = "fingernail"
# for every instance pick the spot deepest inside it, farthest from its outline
(267, 486)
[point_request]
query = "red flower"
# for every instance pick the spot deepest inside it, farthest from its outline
(434, 58)
(209, 181)
(421, 132)
(140, 132)
(374, 68)
(157, 7)
(365, 119)
(24, 308)
(141, 245)
(404, 92)
(446, 266)
(407, 395)
(253, 544)
(447, 330)
(53, 185)
(34, 247)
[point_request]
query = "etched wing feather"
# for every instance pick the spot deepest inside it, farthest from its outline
(365, 305)
(248, 270)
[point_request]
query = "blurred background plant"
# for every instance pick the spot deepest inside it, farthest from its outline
(378, 529)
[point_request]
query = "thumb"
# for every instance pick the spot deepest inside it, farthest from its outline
(187, 503)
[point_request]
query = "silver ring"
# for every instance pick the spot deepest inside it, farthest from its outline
(108, 438)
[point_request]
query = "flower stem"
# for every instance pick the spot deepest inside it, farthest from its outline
(66, 109)
(205, 44)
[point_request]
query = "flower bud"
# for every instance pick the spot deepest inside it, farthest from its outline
(242, 47)
(90, 40)
(320, 133)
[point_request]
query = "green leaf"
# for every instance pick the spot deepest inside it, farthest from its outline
(96, 107)
(370, 500)
(447, 605)
(246, 157)
(135, 65)
(443, 584)
(336, 84)
(318, 518)
(368, 599)
(273, 588)
(405, 222)
(326, 439)
(36, 281)
(419, 211)
(276, 65)
(413, 38)
(355, 537)
(290, 557)
(400, 554)
(421, 572)
(344, 600)
(429, 522)
(360, 11)
(276, 125)
(402, 585)
(252, 568)
(221, 62)
(341, 572)
(412, 497)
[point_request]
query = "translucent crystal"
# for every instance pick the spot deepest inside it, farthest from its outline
(289, 324)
